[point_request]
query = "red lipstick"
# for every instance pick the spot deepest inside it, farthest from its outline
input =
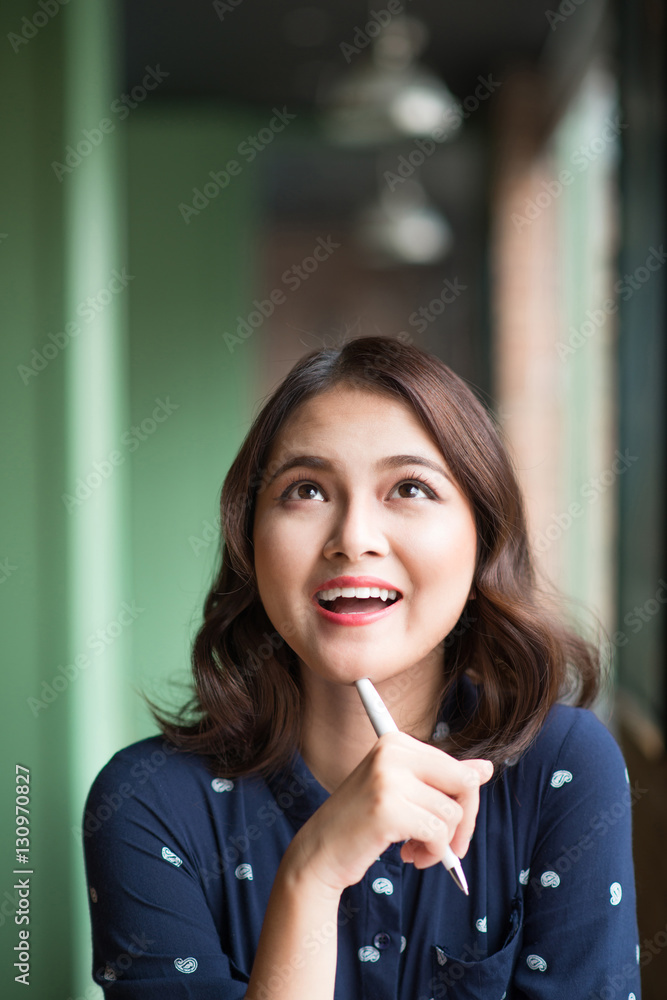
(355, 618)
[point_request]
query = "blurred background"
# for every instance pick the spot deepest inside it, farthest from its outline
(197, 193)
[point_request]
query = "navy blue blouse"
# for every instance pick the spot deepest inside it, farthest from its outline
(180, 866)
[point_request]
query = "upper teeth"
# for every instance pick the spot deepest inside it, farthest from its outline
(381, 592)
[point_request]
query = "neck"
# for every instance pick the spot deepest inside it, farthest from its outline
(337, 734)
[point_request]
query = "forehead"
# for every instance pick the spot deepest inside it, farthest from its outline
(360, 410)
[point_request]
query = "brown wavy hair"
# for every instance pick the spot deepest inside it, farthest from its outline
(515, 646)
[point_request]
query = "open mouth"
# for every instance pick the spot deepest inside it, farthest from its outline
(359, 605)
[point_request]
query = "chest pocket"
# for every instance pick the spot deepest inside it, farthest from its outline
(485, 979)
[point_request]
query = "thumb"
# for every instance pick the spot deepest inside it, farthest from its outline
(483, 768)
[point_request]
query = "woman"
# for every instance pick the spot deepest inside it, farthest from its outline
(269, 844)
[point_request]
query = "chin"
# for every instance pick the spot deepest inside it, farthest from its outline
(378, 673)
(342, 670)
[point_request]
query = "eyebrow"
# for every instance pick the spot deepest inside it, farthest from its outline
(389, 462)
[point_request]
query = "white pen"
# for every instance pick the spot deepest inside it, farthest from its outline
(382, 722)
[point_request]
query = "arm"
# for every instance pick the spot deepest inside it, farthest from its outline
(153, 933)
(580, 929)
(306, 962)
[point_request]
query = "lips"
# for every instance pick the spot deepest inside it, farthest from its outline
(353, 610)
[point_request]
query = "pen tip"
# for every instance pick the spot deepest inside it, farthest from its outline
(457, 874)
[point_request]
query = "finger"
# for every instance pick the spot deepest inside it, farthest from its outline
(422, 857)
(454, 777)
(433, 821)
(460, 785)
(428, 846)
(462, 822)
(469, 801)
(460, 842)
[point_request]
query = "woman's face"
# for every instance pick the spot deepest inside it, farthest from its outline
(360, 512)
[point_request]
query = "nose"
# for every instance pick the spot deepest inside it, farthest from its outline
(357, 531)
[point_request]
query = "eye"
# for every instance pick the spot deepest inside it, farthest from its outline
(302, 486)
(417, 483)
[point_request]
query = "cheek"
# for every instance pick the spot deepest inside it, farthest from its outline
(267, 559)
(447, 550)
(279, 561)
(442, 569)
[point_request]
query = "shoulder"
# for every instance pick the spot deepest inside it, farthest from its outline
(576, 733)
(152, 762)
(574, 749)
(153, 781)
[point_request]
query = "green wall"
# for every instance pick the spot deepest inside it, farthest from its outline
(112, 571)
(192, 280)
(33, 542)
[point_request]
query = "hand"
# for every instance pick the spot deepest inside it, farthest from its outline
(403, 790)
